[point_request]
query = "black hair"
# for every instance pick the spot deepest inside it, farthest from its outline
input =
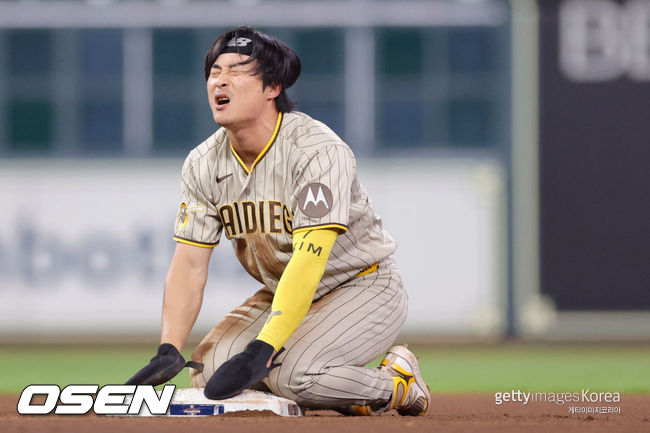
(276, 62)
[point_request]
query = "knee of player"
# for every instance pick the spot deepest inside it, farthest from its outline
(294, 386)
(197, 378)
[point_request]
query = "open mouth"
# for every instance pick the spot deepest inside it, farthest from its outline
(221, 100)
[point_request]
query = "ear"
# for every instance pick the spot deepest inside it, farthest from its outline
(272, 91)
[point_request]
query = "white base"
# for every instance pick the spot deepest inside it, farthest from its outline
(192, 402)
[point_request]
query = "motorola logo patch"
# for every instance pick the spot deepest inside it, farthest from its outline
(315, 200)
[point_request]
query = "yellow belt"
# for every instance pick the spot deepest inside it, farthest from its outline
(369, 270)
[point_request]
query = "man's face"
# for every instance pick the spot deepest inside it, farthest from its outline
(235, 93)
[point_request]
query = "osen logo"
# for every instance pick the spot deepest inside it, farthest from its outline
(315, 200)
(107, 400)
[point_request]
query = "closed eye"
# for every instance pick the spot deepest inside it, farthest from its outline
(233, 68)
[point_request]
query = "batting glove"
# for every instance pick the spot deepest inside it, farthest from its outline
(162, 367)
(241, 371)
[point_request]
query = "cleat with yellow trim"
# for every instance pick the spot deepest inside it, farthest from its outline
(357, 410)
(411, 395)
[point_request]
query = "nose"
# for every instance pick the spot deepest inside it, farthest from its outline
(221, 80)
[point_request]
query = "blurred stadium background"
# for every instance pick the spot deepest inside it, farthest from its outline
(504, 143)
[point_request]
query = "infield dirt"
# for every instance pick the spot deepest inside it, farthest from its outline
(448, 413)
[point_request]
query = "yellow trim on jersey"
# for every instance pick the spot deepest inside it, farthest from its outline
(369, 270)
(297, 286)
(263, 152)
(341, 227)
(232, 149)
(196, 244)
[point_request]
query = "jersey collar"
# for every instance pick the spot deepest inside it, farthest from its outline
(264, 151)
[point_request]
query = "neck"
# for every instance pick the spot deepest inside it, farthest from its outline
(250, 140)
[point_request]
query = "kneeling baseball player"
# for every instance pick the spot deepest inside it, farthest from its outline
(283, 188)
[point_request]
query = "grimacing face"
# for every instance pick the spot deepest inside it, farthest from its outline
(236, 95)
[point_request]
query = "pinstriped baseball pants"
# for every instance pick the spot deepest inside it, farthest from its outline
(323, 362)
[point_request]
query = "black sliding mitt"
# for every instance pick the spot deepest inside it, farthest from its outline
(162, 367)
(241, 371)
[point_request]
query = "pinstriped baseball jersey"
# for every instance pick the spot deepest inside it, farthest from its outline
(305, 177)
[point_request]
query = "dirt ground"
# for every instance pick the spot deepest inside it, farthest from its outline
(448, 413)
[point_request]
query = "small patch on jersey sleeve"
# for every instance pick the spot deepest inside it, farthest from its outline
(184, 217)
(315, 200)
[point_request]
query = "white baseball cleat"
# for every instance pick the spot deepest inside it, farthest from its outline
(411, 395)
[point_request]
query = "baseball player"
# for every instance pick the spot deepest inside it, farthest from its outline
(282, 187)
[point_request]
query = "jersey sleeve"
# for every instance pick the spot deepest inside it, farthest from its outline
(323, 187)
(197, 222)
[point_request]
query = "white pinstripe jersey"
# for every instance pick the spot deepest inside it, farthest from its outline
(305, 177)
